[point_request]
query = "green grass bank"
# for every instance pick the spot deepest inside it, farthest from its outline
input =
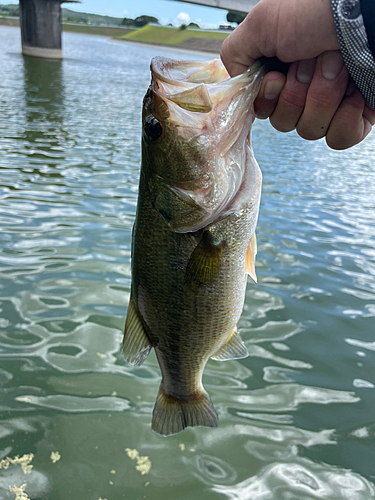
(201, 40)
(96, 30)
(209, 41)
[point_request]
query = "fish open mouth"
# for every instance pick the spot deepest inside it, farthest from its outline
(212, 111)
(205, 87)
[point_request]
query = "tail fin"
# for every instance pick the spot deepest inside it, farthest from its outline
(172, 415)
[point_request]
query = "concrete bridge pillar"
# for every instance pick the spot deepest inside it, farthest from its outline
(40, 22)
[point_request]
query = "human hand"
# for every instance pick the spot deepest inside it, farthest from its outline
(316, 98)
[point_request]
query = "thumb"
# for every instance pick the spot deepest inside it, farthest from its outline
(240, 50)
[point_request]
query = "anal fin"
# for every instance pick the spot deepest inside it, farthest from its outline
(172, 415)
(136, 345)
(234, 348)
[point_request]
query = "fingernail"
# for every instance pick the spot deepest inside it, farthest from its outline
(305, 70)
(272, 89)
(332, 64)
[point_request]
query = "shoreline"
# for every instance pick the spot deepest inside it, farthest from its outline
(175, 48)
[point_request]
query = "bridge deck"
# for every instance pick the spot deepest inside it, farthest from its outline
(234, 5)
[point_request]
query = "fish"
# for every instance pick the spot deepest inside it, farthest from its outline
(193, 240)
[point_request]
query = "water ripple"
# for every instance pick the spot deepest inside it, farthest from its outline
(301, 480)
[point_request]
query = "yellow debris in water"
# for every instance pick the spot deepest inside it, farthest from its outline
(143, 463)
(24, 461)
(19, 492)
(55, 456)
(181, 446)
(192, 450)
(114, 393)
(113, 472)
(101, 355)
(133, 454)
(23, 399)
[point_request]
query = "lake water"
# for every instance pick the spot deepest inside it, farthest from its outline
(296, 417)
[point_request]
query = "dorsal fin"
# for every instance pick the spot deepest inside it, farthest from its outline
(196, 99)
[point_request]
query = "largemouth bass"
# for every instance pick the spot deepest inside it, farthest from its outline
(194, 233)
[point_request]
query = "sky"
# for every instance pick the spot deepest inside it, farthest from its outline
(167, 11)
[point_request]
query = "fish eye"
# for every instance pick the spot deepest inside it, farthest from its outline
(153, 128)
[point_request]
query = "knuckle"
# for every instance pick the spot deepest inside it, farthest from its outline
(263, 108)
(224, 50)
(369, 114)
(282, 125)
(338, 142)
(323, 101)
(311, 134)
(293, 98)
(340, 137)
(263, 113)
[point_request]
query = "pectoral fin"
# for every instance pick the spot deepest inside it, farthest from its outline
(250, 258)
(234, 348)
(136, 344)
(204, 264)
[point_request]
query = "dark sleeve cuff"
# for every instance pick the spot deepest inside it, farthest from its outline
(368, 13)
(354, 44)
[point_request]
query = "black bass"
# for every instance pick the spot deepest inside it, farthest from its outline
(194, 233)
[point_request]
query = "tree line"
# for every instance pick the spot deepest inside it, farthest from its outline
(84, 18)
(138, 22)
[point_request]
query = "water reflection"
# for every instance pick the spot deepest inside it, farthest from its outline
(44, 94)
(212, 470)
(306, 480)
(44, 135)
